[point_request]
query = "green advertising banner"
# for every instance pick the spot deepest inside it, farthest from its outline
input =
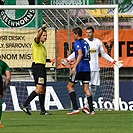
(21, 18)
(125, 6)
(70, 2)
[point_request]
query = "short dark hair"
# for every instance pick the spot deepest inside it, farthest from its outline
(78, 31)
(90, 28)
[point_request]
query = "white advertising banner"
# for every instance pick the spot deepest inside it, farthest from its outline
(16, 46)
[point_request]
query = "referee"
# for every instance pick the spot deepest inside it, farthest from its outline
(39, 53)
(4, 70)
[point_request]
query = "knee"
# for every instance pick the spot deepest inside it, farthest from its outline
(87, 91)
(39, 90)
(43, 90)
(70, 87)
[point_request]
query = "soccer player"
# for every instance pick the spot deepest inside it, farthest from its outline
(39, 71)
(4, 70)
(95, 48)
(80, 71)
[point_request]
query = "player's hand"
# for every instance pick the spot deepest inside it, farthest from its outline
(118, 63)
(64, 62)
(73, 71)
(44, 26)
(4, 92)
(53, 61)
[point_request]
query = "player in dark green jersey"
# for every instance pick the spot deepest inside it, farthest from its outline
(4, 70)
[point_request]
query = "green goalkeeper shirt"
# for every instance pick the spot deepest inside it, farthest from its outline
(39, 52)
(3, 67)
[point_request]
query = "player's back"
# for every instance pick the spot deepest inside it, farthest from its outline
(83, 65)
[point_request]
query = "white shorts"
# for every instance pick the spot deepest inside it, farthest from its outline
(95, 78)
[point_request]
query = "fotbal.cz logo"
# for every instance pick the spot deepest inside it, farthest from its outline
(17, 18)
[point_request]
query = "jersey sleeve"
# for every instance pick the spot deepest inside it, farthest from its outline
(71, 56)
(103, 53)
(7, 68)
(77, 46)
(101, 49)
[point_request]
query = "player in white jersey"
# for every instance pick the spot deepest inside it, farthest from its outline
(95, 48)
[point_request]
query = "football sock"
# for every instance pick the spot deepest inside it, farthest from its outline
(73, 99)
(89, 98)
(30, 98)
(42, 100)
(0, 108)
(93, 90)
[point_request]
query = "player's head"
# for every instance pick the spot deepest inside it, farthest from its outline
(77, 33)
(43, 36)
(90, 32)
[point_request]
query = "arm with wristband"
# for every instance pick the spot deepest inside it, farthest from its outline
(40, 32)
(51, 61)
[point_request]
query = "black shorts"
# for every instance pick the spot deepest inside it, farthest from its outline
(39, 73)
(1, 86)
(84, 77)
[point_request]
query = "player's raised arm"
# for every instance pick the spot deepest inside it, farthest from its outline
(37, 39)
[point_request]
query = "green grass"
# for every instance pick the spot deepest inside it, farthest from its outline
(59, 122)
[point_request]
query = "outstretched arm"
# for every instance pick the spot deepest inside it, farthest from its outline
(68, 59)
(110, 59)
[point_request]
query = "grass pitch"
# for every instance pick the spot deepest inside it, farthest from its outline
(60, 122)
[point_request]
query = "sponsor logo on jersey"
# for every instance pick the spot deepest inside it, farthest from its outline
(77, 46)
(41, 80)
(93, 51)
